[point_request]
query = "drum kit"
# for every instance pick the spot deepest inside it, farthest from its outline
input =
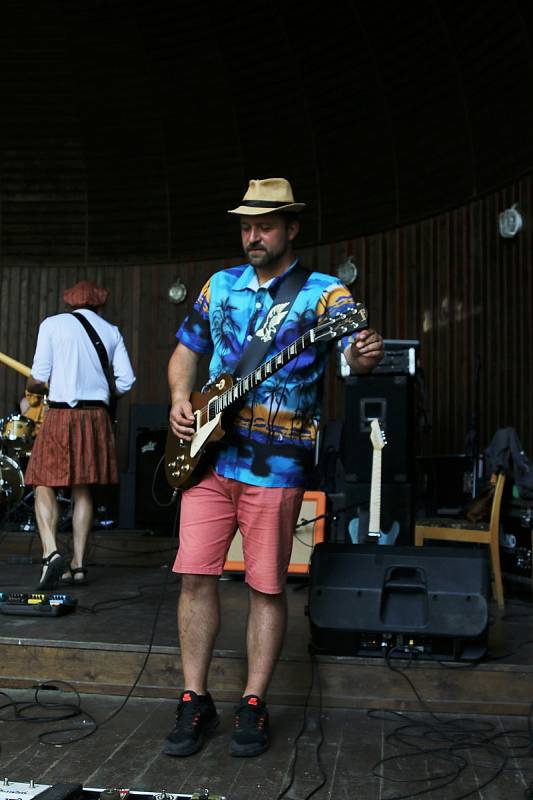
(17, 512)
(17, 434)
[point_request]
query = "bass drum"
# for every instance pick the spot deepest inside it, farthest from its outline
(11, 482)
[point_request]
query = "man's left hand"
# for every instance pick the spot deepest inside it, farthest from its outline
(366, 352)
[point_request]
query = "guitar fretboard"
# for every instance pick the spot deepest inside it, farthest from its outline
(332, 328)
(375, 494)
(253, 379)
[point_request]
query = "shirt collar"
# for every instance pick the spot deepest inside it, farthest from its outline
(248, 279)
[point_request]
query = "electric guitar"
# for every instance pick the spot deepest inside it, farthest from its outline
(182, 457)
(375, 534)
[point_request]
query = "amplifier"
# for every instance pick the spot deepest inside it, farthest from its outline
(154, 509)
(391, 399)
(400, 358)
(310, 529)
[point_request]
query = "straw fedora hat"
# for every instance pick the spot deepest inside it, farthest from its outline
(266, 196)
(85, 293)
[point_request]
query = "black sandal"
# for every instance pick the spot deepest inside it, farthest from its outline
(53, 569)
(71, 579)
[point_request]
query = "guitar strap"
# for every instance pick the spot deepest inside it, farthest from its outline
(104, 361)
(283, 297)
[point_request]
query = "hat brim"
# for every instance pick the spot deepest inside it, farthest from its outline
(253, 211)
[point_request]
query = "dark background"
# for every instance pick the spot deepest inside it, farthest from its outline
(129, 127)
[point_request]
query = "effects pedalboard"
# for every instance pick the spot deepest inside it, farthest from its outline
(12, 790)
(37, 604)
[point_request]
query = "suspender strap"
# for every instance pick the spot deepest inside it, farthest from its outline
(285, 292)
(104, 360)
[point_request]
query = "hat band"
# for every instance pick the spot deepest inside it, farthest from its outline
(265, 203)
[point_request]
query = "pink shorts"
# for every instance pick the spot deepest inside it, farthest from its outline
(211, 513)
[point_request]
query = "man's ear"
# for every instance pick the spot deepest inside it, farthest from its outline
(293, 229)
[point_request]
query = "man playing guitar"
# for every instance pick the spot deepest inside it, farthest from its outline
(258, 471)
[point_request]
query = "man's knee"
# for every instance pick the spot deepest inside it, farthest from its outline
(198, 585)
(266, 598)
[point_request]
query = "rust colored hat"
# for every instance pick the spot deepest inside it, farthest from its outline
(85, 293)
(267, 196)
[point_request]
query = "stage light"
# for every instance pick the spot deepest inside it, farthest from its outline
(177, 292)
(347, 271)
(510, 222)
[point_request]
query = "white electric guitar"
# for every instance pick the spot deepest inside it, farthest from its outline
(375, 534)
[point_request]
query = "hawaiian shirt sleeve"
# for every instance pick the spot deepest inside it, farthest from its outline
(195, 330)
(337, 299)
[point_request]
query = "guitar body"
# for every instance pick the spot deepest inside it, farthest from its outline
(185, 462)
(358, 531)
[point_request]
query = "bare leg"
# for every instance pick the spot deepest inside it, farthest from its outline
(47, 515)
(267, 621)
(198, 625)
(82, 520)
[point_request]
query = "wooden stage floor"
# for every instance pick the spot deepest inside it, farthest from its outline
(101, 649)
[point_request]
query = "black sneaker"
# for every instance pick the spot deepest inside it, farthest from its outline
(250, 737)
(196, 716)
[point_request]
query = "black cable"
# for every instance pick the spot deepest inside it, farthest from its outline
(174, 494)
(448, 739)
(70, 711)
(314, 668)
(112, 603)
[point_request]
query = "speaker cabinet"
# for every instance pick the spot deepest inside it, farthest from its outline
(151, 416)
(306, 535)
(389, 398)
(376, 600)
(153, 513)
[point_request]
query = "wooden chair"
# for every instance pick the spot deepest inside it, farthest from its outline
(461, 530)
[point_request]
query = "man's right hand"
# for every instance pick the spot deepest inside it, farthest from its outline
(182, 420)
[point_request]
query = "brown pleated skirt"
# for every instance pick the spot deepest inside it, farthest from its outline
(73, 447)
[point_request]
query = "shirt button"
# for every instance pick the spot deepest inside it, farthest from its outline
(249, 337)
(258, 305)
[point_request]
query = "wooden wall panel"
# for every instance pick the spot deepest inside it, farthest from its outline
(449, 280)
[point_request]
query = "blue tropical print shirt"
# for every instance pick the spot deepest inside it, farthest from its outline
(271, 440)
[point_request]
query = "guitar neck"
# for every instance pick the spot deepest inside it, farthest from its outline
(375, 493)
(255, 378)
(332, 328)
(14, 364)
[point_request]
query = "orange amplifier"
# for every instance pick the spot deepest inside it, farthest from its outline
(310, 529)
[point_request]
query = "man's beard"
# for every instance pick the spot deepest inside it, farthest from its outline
(264, 259)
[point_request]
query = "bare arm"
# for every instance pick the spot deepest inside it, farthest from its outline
(182, 369)
(365, 353)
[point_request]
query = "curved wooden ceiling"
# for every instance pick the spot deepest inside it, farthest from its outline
(130, 126)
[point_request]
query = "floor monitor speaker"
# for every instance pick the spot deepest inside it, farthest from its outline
(376, 600)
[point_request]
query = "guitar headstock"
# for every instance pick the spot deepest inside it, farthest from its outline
(377, 435)
(342, 324)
